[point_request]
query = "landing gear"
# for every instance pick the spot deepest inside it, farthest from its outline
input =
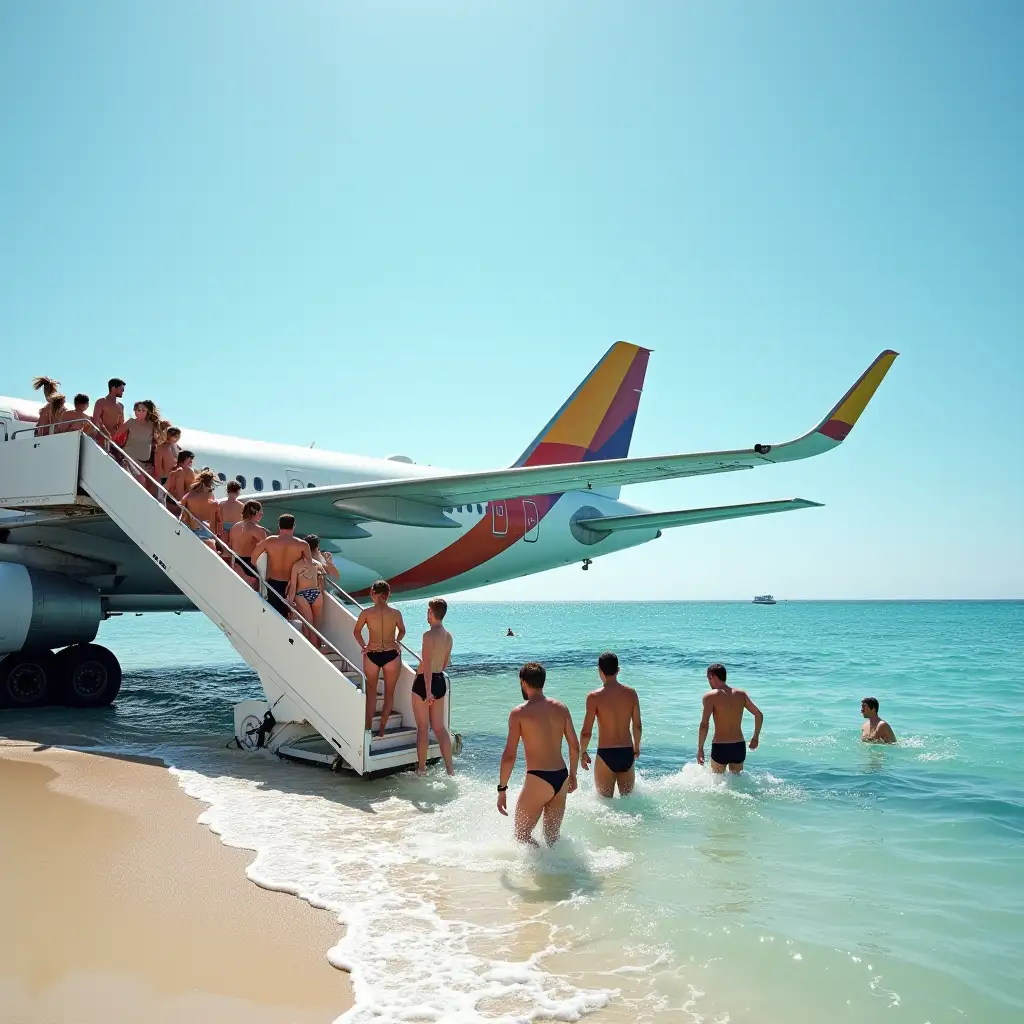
(83, 675)
(587, 562)
(91, 675)
(28, 679)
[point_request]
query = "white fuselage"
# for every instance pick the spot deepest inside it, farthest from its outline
(421, 559)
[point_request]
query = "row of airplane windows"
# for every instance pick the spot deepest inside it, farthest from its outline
(257, 483)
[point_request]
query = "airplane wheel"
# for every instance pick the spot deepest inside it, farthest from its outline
(28, 678)
(92, 675)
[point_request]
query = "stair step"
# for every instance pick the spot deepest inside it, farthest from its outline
(394, 739)
(395, 723)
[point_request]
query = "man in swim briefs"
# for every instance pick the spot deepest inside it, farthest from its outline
(728, 748)
(381, 652)
(283, 550)
(874, 729)
(429, 707)
(616, 708)
(541, 723)
(108, 412)
(244, 538)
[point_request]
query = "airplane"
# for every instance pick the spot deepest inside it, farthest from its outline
(421, 528)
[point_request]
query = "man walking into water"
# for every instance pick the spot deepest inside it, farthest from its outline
(728, 748)
(616, 708)
(428, 707)
(283, 550)
(541, 723)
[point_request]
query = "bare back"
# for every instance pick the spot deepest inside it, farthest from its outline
(615, 706)
(543, 723)
(727, 709)
(282, 554)
(245, 536)
(202, 505)
(383, 623)
(437, 649)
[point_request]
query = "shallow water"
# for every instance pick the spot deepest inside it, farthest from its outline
(832, 880)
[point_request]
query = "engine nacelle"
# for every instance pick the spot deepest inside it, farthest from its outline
(45, 609)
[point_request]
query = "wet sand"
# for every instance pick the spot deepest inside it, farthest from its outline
(118, 906)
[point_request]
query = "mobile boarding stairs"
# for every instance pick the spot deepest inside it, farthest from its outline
(315, 697)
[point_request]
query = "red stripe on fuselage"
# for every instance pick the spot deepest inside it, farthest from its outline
(478, 545)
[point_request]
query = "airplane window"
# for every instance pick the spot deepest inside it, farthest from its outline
(276, 484)
(240, 479)
(257, 482)
(479, 510)
(311, 485)
(221, 477)
(458, 508)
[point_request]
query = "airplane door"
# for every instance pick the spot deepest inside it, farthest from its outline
(294, 483)
(499, 519)
(532, 521)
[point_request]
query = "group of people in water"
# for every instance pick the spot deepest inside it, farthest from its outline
(541, 724)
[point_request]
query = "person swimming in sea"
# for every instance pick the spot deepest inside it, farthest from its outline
(874, 729)
(541, 723)
(617, 710)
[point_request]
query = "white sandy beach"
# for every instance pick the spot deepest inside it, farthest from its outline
(119, 907)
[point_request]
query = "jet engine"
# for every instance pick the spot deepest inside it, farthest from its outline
(44, 610)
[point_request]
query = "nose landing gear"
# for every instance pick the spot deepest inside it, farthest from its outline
(586, 563)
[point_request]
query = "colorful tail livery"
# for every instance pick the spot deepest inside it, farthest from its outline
(596, 421)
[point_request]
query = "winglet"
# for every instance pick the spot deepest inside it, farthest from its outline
(840, 421)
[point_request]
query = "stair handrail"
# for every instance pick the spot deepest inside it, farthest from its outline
(182, 512)
(351, 600)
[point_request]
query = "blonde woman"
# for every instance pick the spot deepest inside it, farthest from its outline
(50, 389)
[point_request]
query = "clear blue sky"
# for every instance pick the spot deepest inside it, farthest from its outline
(413, 227)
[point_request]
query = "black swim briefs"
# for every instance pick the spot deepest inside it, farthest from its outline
(618, 759)
(438, 686)
(729, 753)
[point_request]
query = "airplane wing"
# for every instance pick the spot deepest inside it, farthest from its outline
(420, 500)
(692, 516)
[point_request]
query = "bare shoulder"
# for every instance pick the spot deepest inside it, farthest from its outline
(632, 693)
(709, 697)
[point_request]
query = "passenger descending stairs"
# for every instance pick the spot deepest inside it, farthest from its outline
(313, 698)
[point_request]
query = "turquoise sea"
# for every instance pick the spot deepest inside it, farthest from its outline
(833, 881)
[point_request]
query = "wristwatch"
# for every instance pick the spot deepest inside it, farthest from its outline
(501, 789)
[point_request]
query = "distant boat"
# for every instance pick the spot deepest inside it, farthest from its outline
(764, 599)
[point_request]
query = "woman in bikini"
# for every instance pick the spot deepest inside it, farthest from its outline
(202, 514)
(231, 507)
(381, 651)
(143, 436)
(55, 409)
(305, 594)
(50, 389)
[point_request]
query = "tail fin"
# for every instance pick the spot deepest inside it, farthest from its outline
(596, 421)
